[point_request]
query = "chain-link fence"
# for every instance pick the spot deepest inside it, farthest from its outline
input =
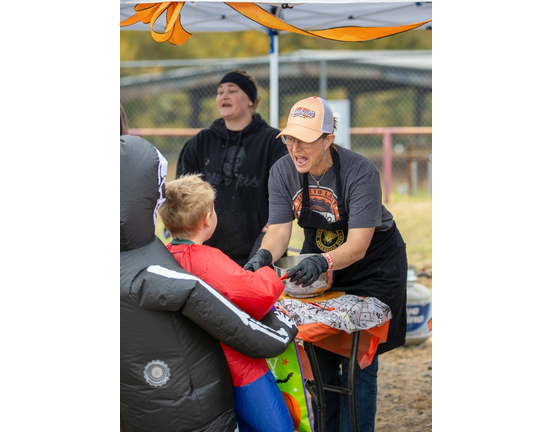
(383, 101)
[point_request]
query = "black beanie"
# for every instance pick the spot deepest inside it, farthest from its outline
(241, 81)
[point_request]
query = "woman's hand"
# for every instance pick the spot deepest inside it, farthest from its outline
(308, 270)
(261, 258)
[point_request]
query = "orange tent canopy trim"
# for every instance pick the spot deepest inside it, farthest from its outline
(148, 13)
(174, 33)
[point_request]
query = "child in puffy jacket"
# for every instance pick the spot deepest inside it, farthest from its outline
(189, 215)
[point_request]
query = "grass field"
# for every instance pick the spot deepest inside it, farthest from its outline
(413, 216)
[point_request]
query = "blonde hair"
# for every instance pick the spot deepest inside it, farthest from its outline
(188, 200)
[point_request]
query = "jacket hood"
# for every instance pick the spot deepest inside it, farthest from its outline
(218, 126)
(143, 171)
(229, 161)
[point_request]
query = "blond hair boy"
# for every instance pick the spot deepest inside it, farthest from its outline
(188, 211)
(189, 215)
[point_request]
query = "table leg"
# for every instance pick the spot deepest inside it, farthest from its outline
(350, 391)
(319, 397)
(351, 382)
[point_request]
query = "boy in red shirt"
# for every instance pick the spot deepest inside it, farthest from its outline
(189, 215)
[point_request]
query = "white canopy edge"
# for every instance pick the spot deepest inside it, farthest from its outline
(279, 4)
(204, 16)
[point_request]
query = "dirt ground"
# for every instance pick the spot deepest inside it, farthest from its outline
(404, 401)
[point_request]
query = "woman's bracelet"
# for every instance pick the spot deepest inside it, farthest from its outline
(329, 260)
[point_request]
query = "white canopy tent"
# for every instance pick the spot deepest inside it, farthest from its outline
(358, 20)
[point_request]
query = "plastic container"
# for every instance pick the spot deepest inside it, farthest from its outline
(419, 310)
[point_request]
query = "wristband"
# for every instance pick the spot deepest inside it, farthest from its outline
(329, 259)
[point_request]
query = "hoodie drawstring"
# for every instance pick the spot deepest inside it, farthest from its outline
(226, 146)
(233, 171)
(239, 145)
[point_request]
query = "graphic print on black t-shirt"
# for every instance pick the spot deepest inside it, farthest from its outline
(323, 201)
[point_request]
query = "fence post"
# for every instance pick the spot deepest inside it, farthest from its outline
(429, 172)
(273, 85)
(387, 162)
(413, 190)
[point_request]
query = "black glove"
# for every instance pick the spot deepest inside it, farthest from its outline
(308, 270)
(261, 258)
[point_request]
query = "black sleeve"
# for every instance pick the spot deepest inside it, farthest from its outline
(187, 161)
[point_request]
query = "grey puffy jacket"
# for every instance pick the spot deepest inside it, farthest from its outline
(173, 373)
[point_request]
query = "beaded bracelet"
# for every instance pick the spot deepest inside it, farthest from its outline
(329, 259)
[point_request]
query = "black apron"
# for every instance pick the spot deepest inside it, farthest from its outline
(381, 273)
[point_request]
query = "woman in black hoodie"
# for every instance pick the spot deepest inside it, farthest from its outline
(235, 155)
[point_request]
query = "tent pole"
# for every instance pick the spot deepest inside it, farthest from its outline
(273, 79)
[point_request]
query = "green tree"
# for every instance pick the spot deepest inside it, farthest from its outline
(139, 45)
